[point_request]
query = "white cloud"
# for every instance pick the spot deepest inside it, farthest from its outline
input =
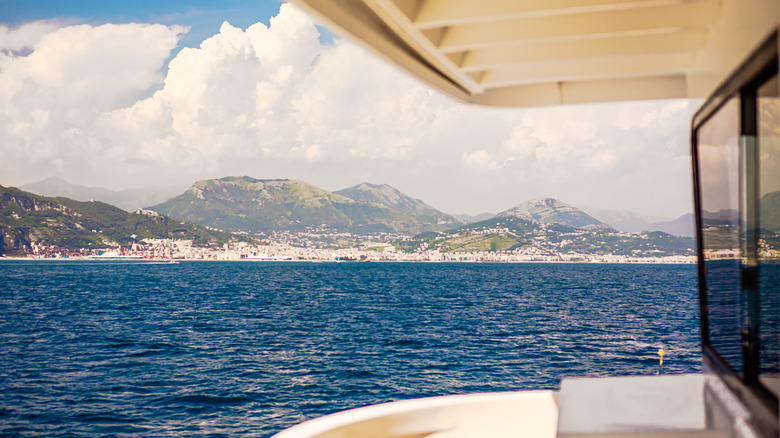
(51, 97)
(275, 101)
(314, 153)
(480, 160)
(523, 143)
(24, 37)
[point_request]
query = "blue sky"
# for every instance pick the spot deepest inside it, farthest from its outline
(204, 17)
(161, 93)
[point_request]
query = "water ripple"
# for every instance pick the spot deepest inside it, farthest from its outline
(225, 349)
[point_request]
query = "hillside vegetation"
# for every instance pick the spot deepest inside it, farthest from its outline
(26, 219)
(511, 233)
(262, 205)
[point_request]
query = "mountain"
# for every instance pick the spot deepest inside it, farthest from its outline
(27, 218)
(631, 222)
(720, 217)
(769, 214)
(621, 220)
(469, 219)
(262, 205)
(553, 211)
(683, 226)
(392, 198)
(770, 211)
(128, 199)
(511, 233)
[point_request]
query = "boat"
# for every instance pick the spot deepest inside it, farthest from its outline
(527, 53)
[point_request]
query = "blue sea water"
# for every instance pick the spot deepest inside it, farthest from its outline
(247, 349)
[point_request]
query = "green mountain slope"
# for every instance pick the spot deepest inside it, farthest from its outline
(511, 233)
(770, 211)
(261, 205)
(26, 218)
(392, 198)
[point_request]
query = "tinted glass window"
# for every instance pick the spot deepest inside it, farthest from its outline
(719, 165)
(769, 233)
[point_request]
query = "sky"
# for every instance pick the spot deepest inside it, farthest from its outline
(106, 94)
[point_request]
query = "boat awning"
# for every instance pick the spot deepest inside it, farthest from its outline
(549, 52)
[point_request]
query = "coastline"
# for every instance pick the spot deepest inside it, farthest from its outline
(675, 260)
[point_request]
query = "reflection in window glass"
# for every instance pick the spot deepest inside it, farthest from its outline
(718, 155)
(769, 234)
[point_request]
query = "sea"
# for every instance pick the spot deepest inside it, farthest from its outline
(100, 348)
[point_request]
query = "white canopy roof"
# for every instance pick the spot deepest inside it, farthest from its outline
(548, 52)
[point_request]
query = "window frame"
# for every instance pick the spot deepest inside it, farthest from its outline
(742, 85)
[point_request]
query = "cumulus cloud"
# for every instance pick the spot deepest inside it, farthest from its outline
(51, 97)
(90, 103)
(272, 94)
(591, 156)
(24, 37)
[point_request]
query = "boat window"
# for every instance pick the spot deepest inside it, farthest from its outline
(736, 152)
(768, 104)
(719, 155)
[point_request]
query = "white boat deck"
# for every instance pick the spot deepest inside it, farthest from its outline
(505, 414)
(615, 407)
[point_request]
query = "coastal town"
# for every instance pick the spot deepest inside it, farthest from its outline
(367, 251)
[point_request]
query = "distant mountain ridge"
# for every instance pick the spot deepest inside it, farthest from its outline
(127, 199)
(622, 220)
(632, 222)
(770, 211)
(683, 226)
(262, 205)
(470, 219)
(406, 214)
(512, 233)
(553, 211)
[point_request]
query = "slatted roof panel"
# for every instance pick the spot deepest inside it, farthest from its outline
(541, 52)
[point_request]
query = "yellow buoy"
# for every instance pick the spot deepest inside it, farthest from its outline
(661, 356)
